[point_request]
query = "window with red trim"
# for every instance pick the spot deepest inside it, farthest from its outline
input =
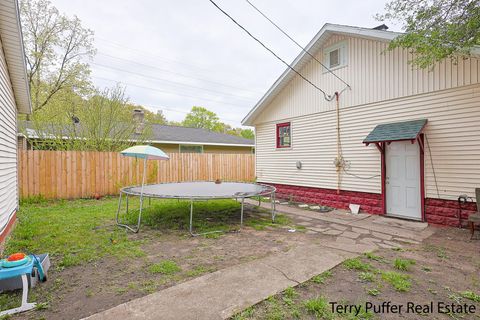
(284, 137)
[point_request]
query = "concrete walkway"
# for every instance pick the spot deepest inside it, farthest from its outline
(221, 294)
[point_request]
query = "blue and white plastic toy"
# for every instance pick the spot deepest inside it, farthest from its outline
(20, 265)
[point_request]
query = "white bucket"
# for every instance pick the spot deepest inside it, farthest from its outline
(354, 208)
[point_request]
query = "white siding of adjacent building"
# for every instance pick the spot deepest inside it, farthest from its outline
(8, 147)
(374, 74)
(385, 88)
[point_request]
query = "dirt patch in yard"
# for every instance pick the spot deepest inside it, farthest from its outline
(444, 269)
(169, 257)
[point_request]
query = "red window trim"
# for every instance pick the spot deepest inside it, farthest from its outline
(277, 137)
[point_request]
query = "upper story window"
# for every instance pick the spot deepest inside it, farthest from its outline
(187, 148)
(336, 55)
(284, 137)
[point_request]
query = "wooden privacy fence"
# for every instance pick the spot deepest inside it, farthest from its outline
(82, 174)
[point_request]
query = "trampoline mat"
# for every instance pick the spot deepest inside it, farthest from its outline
(201, 190)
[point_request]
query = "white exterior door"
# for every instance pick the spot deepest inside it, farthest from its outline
(403, 180)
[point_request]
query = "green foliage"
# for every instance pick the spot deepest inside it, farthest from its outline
(403, 264)
(356, 264)
(247, 134)
(71, 232)
(321, 278)
(200, 117)
(164, 267)
(319, 307)
(366, 276)
(373, 292)
(470, 295)
(435, 30)
(56, 47)
(372, 256)
(401, 282)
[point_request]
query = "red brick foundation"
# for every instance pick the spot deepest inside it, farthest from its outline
(369, 202)
(7, 230)
(437, 211)
(446, 212)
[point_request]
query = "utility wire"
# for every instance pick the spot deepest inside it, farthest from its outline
(433, 168)
(325, 95)
(169, 81)
(293, 40)
(179, 111)
(176, 73)
(168, 92)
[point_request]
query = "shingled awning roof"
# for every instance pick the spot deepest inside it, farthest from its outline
(397, 131)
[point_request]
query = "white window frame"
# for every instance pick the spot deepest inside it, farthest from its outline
(189, 145)
(343, 55)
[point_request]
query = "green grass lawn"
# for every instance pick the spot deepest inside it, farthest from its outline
(79, 231)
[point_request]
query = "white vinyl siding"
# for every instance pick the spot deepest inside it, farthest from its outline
(373, 73)
(453, 132)
(8, 147)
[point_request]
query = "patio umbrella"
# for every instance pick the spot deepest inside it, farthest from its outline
(144, 152)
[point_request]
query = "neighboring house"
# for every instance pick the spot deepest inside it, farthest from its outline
(408, 139)
(174, 139)
(195, 140)
(14, 98)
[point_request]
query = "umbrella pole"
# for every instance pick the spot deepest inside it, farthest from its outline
(141, 195)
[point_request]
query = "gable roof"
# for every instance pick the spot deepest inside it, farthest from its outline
(160, 134)
(303, 58)
(186, 135)
(12, 45)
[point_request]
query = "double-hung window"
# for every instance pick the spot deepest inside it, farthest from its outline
(284, 135)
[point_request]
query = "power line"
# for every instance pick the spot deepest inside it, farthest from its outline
(293, 40)
(180, 111)
(177, 73)
(167, 92)
(325, 95)
(169, 81)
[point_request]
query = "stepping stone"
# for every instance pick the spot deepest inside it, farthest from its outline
(346, 241)
(406, 240)
(303, 218)
(390, 243)
(360, 230)
(382, 236)
(385, 246)
(311, 232)
(305, 223)
(340, 227)
(332, 232)
(351, 235)
(370, 240)
(317, 229)
(314, 207)
(284, 203)
(277, 201)
(303, 205)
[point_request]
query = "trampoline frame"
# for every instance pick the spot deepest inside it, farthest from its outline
(126, 190)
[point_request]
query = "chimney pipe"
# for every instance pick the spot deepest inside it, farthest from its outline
(139, 120)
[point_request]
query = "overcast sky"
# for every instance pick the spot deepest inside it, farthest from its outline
(172, 55)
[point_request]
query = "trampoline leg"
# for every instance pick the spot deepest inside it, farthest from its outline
(241, 214)
(119, 207)
(259, 201)
(149, 201)
(126, 201)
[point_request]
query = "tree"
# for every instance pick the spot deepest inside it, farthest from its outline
(56, 48)
(435, 29)
(247, 134)
(200, 117)
(102, 122)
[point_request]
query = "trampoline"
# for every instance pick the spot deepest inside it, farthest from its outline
(195, 191)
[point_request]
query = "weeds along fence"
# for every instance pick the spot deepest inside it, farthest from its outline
(83, 174)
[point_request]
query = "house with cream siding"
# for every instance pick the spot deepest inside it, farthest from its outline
(14, 99)
(397, 140)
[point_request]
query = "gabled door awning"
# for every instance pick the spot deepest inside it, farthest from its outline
(397, 131)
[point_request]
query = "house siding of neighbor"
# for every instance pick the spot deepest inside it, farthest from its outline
(385, 88)
(14, 97)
